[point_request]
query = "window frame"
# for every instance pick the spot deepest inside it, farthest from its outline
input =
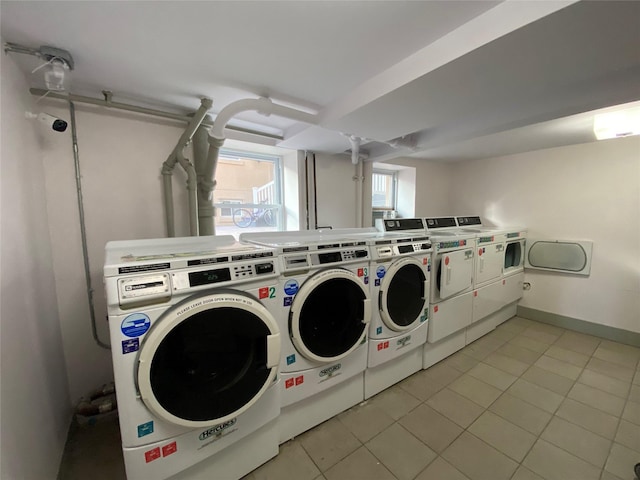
(394, 189)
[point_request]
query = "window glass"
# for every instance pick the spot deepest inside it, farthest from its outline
(383, 190)
(252, 183)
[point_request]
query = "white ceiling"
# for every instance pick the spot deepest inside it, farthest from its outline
(437, 75)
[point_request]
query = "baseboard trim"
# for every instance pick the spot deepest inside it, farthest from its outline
(604, 331)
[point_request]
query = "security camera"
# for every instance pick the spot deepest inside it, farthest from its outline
(57, 124)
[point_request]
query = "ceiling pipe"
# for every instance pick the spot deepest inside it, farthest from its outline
(207, 182)
(358, 177)
(176, 156)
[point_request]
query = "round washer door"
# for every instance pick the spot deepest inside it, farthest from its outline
(208, 359)
(403, 294)
(330, 315)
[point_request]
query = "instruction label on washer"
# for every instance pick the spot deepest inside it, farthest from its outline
(145, 429)
(135, 325)
(291, 287)
(132, 345)
(380, 271)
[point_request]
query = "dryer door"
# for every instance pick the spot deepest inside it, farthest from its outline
(208, 359)
(403, 295)
(455, 272)
(330, 315)
(489, 262)
(514, 256)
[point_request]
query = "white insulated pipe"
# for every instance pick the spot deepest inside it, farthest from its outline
(358, 178)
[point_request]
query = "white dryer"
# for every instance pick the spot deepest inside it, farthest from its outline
(513, 272)
(451, 301)
(195, 348)
(324, 313)
(400, 269)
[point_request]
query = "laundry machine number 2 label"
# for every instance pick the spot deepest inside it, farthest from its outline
(267, 292)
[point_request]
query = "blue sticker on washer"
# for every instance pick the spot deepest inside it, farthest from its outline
(135, 325)
(145, 429)
(129, 346)
(378, 330)
(287, 301)
(291, 287)
(366, 280)
(377, 282)
(380, 271)
(291, 359)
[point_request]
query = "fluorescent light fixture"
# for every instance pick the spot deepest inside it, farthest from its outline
(621, 123)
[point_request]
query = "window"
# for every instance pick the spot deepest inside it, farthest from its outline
(248, 194)
(383, 190)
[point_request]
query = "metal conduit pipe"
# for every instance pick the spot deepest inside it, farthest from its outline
(358, 177)
(206, 184)
(176, 156)
(200, 147)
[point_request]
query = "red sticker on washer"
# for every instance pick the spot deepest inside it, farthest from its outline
(435, 309)
(425, 260)
(151, 455)
(289, 382)
(446, 260)
(300, 380)
(169, 449)
(504, 282)
(479, 251)
(263, 292)
(361, 272)
(475, 294)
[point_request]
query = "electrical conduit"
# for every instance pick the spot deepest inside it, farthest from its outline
(358, 177)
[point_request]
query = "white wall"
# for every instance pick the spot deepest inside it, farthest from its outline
(589, 191)
(432, 182)
(36, 409)
(120, 160)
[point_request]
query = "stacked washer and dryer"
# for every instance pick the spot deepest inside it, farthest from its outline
(195, 348)
(324, 311)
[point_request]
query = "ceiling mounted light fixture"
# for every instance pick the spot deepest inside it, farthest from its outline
(58, 64)
(621, 123)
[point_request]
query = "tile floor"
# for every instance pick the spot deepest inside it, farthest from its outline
(527, 401)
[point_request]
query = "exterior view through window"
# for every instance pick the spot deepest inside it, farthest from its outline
(248, 194)
(383, 191)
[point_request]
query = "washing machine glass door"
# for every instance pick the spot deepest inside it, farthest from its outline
(403, 294)
(330, 315)
(208, 359)
(513, 255)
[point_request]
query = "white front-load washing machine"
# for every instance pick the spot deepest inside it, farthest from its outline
(196, 349)
(400, 268)
(324, 313)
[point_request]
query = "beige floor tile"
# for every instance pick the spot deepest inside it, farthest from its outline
(621, 461)
(611, 369)
(365, 421)
(432, 428)
(529, 343)
(559, 367)
(440, 469)
(455, 407)
(521, 413)
(629, 435)
(514, 328)
(553, 463)
(576, 440)
(492, 375)
(523, 322)
(634, 393)
(475, 390)
(610, 476)
(592, 419)
(566, 355)
(538, 396)
(636, 378)
(504, 335)
(395, 401)
(360, 465)
(461, 362)
(545, 327)
(478, 352)
(488, 342)
(441, 373)
(506, 364)
(291, 462)
(578, 342)
(403, 454)
(625, 355)
(605, 383)
(525, 474)
(477, 460)
(632, 412)
(597, 398)
(522, 354)
(329, 443)
(506, 437)
(320, 477)
(550, 381)
(419, 386)
(540, 336)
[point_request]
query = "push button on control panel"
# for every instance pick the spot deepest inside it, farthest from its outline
(264, 268)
